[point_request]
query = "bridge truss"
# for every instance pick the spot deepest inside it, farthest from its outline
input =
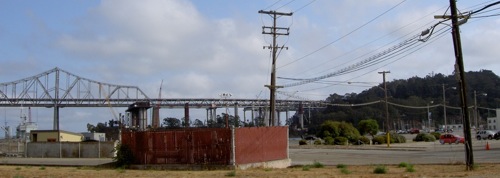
(57, 88)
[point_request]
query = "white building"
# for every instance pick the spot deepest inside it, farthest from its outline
(89, 136)
(494, 122)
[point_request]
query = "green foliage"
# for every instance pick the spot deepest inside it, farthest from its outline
(397, 138)
(340, 141)
(336, 129)
(317, 142)
(410, 168)
(379, 139)
(340, 166)
(18, 168)
(424, 137)
(42, 167)
(231, 174)
(403, 164)
(436, 135)
(380, 170)
(306, 167)
(368, 126)
(345, 171)
(362, 140)
(317, 165)
(329, 140)
(302, 142)
(124, 156)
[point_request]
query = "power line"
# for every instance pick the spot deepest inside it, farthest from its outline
(342, 37)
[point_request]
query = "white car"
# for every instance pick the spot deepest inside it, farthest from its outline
(485, 134)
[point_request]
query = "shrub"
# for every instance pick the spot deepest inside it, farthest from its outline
(340, 166)
(397, 138)
(340, 141)
(317, 165)
(403, 164)
(329, 141)
(231, 174)
(362, 140)
(379, 139)
(436, 135)
(306, 167)
(302, 142)
(345, 171)
(424, 137)
(123, 156)
(317, 142)
(380, 170)
(409, 168)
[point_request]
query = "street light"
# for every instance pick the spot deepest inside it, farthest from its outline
(429, 115)
(476, 113)
(444, 107)
(225, 96)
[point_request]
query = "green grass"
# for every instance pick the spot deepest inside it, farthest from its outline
(380, 170)
(317, 165)
(120, 170)
(340, 166)
(403, 164)
(42, 168)
(18, 176)
(231, 174)
(410, 168)
(345, 171)
(18, 168)
(306, 167)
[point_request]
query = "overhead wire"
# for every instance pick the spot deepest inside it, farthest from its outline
(345, 35)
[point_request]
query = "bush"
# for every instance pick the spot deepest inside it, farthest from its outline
(340, 141)
(436, 135)
(329, 141)
(424, 137)
(362, 140)
(317, 165)
(380, 170)
(397, 138)
(302, 142)
(317, 142)
(379, 139)
(124, 156)
(340, 166)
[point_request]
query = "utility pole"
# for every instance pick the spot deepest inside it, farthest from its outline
(387, 125)
(469, 158)
(274, 31)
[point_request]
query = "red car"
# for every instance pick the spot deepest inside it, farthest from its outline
(451, 138)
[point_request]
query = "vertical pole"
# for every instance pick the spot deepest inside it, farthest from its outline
(463, 87)
(475, 110)
(388, 125)
(444, 110)
(274, 48)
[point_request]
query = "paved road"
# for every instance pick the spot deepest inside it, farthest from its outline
(415, 153)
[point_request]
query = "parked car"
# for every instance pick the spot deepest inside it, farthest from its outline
(451, 138)
(485, 134)
(414, 131)
(497, 135)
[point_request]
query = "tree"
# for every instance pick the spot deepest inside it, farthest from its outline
(198, 123)
(368, 126)
(171, 122)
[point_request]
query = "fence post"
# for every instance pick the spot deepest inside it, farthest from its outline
(233, 147)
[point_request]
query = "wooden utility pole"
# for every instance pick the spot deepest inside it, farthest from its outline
(387, 124)
(469, 158)
(274, 31)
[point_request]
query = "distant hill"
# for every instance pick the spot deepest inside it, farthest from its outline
(410, 94)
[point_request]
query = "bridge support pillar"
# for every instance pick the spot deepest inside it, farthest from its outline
(236, 117)
(56, 118)
(301, 116)
(186, 115)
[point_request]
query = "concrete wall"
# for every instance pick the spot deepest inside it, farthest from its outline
(71, 149)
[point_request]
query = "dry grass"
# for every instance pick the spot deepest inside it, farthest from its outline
(483, 170)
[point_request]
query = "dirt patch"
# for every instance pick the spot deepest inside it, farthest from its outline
(481, 170)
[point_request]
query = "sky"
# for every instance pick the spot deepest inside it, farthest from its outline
(201, 48)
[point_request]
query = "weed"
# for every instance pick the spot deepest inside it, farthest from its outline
(403, 164)
(18, 168)
(409, 168)
(42, 168)
(18, 176)
(345, 171)
(306, 167)
(380, 170)
(268, 169)
(317, 165)
(120, 170)
(341, 166)
(231, 174)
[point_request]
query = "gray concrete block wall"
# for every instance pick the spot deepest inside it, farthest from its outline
(71, 150)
